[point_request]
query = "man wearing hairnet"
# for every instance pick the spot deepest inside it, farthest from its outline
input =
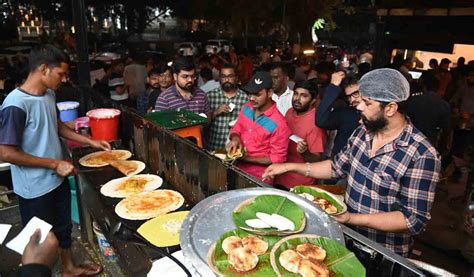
(391, 167)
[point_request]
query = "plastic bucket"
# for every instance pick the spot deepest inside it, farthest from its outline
(104, 123)
(74, 207)
(105, 248)
(67, 110)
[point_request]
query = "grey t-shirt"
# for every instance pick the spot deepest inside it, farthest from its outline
(30, 123)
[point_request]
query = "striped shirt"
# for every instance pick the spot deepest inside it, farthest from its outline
(170, 99)
(401, 176)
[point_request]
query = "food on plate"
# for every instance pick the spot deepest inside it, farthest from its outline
(133, 184)
(269, 215)
(312, 269)
(328, 202)
(231, 243)
(103, 158)
(257, 223)
(243, 259)
(271, 221)
(306, 259)
(282, 223)
(290, 260)
(325, 205)
(128, 168)
(255, 244)
(149, 204)
(313, 255)
(311, 252)
(266, 218)
(307, 196)
(127, 186)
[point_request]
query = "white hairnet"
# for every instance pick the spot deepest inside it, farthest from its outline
(385, 85)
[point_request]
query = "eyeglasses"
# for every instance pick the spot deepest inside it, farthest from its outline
(230, 76)
(355, 94)
(165, 76)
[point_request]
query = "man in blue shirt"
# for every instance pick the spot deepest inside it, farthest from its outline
(29, 140)
(344, 119)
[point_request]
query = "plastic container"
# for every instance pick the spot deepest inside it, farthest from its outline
(105, 248)
(67, 110)
(74, 206)
(82, 123)
(104, 123)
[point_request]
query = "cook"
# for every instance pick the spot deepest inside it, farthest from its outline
(391, 167)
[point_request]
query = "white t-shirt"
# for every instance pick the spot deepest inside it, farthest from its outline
(284, 101)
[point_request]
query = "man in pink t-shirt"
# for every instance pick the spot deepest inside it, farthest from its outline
(307, 142)
(260, 128)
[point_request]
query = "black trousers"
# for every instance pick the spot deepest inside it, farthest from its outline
(54, 208)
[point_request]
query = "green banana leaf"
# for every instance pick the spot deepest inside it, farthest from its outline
(264, 267)
(270, 204)
(340, 261)
(320, 194)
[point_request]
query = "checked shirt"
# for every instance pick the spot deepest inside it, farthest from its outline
(401, 176)
(219, 129)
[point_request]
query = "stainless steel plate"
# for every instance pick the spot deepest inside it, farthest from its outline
(212, 217)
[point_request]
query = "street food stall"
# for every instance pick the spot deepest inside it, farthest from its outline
(212, 192)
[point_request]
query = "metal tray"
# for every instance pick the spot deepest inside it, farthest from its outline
(211, 218)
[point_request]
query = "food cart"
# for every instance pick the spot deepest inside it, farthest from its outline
(197, 175)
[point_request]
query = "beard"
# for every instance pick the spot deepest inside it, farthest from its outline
(187, 87)
(228, 86)
(155, 86)
(374, 125)
(300, 108)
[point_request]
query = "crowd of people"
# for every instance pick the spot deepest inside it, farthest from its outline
(379, 132)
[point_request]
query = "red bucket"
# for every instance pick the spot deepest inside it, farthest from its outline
(104, 123)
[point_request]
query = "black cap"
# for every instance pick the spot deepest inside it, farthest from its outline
(260, 80)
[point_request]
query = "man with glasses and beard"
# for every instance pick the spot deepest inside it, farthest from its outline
(226, 102)
(184, 94)
(391, 167)
(309, 146)
(344, 119)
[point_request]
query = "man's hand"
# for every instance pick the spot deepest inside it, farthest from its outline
(100, 144)
(337, 77)
(224, 108)
(273, 170)
(45, 253)
(302, 147)
(234, 144)
(343, 218)
(63, 168)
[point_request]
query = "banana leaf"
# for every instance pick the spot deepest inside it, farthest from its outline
(218, 258)
(318, 193)
(339, 260)
(269, 204)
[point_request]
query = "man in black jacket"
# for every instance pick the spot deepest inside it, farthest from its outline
(344, 119)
